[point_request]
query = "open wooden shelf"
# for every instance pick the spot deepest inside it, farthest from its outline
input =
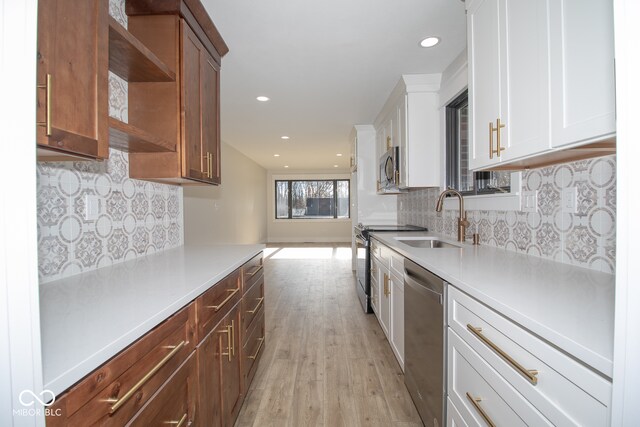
(129, 138)
(132, 60)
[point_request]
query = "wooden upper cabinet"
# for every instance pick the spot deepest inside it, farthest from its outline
(198, 49)
(200, 111)
(72, 79)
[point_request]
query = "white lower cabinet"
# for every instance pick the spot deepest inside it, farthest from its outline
(387, 296)
(535, 380)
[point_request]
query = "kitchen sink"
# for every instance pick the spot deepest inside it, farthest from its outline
(427, 242)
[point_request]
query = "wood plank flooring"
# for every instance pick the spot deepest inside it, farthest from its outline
(325, 362)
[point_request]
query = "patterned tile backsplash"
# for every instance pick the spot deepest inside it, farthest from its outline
(134, 218)
(586, 238)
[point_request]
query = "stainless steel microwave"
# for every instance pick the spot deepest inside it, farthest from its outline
(390, 170)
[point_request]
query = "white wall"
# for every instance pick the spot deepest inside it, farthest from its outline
(233, 212)
(304, 230)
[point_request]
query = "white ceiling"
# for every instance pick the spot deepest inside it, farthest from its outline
(326, 65)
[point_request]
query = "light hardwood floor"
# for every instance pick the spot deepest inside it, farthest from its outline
(325, 362)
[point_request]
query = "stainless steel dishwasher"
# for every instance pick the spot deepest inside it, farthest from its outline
(424, 345)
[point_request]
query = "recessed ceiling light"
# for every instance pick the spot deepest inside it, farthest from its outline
(262, 98)
(284, 137)
(339, 154)
(286, 166)
(430, 41)
(276, 155)
(335, 166)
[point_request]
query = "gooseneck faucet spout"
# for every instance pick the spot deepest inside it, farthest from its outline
(462, 220)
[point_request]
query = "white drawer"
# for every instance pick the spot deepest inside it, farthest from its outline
(454, 419)
(480, 394)
(565, 391)
(397, 264)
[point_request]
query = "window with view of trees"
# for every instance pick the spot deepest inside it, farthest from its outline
(459, 177)
(312, 199)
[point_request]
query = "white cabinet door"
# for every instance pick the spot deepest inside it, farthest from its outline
(397, 318)
(582, 70)
(524, 78)
(385, 302)
(483, 37)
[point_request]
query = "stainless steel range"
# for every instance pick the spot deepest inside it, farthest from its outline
(363, 265)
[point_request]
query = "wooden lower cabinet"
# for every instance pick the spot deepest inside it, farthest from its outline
(219, 356)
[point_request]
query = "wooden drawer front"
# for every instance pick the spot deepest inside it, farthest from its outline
(114, 393)
(252, 350)
(215, 303)
(251, 272)
(174, 404)
(252, 303)
(469, 377)
(566, 392)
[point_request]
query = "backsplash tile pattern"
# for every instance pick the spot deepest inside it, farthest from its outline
(135, 217)
(586, 238)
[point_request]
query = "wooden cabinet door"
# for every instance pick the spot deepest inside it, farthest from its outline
(209, 373)
(194, 162)
(200, 110)
(210, 75)
(230, 369)
(72, 78)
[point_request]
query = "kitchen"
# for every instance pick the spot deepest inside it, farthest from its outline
(416, 207)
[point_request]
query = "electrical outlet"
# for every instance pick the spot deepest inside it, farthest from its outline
(529, 201)
(91, 207)
(569, 200)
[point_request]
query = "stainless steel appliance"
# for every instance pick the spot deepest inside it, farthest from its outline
(424, 342)
(363, 262)
(390, 169)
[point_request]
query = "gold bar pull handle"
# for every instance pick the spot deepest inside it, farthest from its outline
(475, 401)
(233, 338)
(227, 330)
(253, 357)
(499, 147)
(226, 300)
(389, 143)
(491, 131)
(260, 300)
(254, 271)
(386, 285)
(47, 120)
(178, 423)
(530, 374)
(210, 165)
(118, 404)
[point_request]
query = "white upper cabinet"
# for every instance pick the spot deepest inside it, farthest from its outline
(534, 82)
(410, 120)
(582, 71)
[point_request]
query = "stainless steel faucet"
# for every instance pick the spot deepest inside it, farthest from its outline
(462, 220)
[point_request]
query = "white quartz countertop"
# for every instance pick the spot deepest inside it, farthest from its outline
(88, 318)
(570, 307)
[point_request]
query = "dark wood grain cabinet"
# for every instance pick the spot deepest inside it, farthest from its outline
(72, 78)
(191, 105)
(192, 369)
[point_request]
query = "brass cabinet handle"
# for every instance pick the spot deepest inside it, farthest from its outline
(254, 271)
(491, 131)
(258, 350)
(397, 177)
(530, 374)
(118, 403)
(226, 300)
(260, 300)
(499, 126)
(227, 330)
(178, 423)
(475, 401)
(233, 338)
(389, 143)
(386, 285)
(210, 165)
(47, 121)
